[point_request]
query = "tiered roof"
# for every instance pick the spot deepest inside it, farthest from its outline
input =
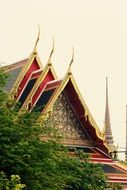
(37, 88)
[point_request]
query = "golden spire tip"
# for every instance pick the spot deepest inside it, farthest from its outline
(72, 60)
(52, 51)
(38, 37)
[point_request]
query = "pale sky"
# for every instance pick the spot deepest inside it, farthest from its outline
(97, 29)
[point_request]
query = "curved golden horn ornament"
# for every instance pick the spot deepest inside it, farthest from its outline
(72, 60)
(38, 37)
(52, 51)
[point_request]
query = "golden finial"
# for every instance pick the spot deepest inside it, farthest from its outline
(52, 50)
(35, 47)
(72, 59)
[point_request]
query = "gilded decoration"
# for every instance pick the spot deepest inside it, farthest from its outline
(64, 119)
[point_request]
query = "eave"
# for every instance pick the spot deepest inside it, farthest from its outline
(14, 66)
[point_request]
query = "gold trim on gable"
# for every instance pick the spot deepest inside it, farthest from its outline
(38, 82)
(24, 70)
(50, 104)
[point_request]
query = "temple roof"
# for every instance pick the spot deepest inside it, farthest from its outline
(47, 91)
(68, 85)
(13, 70)
(47, 75)
(29, 85)
(38, 89)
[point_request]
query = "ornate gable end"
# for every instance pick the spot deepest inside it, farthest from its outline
(68, 125)
(33, 66)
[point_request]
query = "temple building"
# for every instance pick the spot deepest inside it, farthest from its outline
(36, 88)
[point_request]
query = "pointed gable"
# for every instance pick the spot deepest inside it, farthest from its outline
(69, 87)
(68, 124)
(45, 95)
(46, 76)
(29, 85)
(32, 64)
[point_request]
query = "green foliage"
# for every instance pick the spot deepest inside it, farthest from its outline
(40, 164)
(3, 78)
(10, 184)
(115, 186)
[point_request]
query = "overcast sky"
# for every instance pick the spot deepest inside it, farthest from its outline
(97, 29)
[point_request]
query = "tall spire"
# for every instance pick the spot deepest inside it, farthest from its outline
(107, 130)
(126, 137)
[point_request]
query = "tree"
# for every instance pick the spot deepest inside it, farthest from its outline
(40, 164)
(10, 184)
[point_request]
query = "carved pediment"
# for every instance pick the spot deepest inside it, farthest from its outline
(68, 125)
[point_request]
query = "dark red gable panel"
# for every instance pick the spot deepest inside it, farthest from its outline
(29, 85)
(80, 112)
(74, 98)
(34, 66)
(49, 77)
